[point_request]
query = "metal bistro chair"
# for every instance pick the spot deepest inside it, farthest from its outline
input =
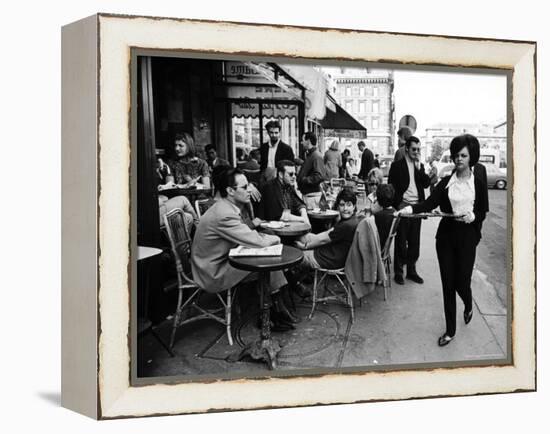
(202, 205)
(386, 254)
(189, 293)
(337, 182)
(345, 297)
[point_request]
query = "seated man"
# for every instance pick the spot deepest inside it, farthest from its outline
(279, 194)
(253, 161)
(329, 249)
(384, 216)
(212, 158)
(222, 228)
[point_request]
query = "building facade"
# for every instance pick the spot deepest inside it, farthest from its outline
(367, 94)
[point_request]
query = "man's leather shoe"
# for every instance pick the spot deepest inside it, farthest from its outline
(282, 321)
(280, 309)
(415, 278)
(399, 279)
(285, 315)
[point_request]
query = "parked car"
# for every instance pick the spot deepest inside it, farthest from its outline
(496, 178)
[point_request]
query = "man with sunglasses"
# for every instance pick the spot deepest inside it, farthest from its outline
(221, 229)
(280, 194)
(409, 180)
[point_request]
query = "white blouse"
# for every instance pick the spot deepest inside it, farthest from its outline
(462, 193)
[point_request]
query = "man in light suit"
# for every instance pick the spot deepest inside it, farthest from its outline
(222, 228)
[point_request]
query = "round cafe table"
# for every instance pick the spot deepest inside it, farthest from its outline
(145, 255)
(289, 231)
(266, 348)
(322, 219)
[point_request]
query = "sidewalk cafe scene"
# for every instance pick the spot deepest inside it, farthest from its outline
(294, 217)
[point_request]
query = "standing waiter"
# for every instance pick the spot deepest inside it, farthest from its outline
(409, 181)
(275, 149)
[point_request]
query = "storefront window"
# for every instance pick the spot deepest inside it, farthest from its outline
(247, 132)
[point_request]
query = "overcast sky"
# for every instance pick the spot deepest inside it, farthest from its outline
(433, 97)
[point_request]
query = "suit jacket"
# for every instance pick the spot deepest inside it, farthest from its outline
(272, 204)
(480, 172)
(399, 178)
(284, 152)
(364, 267)
(220, 229)
(440, 197)
(367, 163)
(312, 173)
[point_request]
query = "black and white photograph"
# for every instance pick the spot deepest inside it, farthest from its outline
(295, 217)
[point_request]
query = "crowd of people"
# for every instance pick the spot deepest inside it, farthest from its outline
(285, 187)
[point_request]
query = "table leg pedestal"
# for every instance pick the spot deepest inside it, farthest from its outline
(264, 348)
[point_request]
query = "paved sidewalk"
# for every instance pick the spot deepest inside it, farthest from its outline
(402, 330)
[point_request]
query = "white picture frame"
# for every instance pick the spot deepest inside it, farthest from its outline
(96, 215)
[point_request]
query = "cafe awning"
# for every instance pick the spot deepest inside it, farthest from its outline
(340, 120)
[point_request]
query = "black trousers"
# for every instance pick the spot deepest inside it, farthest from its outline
(456, 253)
(407, 245)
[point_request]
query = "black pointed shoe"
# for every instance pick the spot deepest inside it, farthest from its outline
(468, 316)
(444, 340)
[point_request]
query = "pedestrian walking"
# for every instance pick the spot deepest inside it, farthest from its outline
(367, 161)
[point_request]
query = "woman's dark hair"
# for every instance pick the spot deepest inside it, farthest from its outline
(465, 141)
(346, 195)
(311, 137)
(186, 137)
(226, 179)
(385, 194)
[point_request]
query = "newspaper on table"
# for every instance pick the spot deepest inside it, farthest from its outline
(275, 250)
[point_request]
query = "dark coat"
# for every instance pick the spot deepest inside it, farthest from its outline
(440, 197)
(312, 173)
(399, 178)
(272, 204)
(284, 152)
(481, 172)
(367, 163)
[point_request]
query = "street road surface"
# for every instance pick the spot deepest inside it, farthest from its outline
(491, 257)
